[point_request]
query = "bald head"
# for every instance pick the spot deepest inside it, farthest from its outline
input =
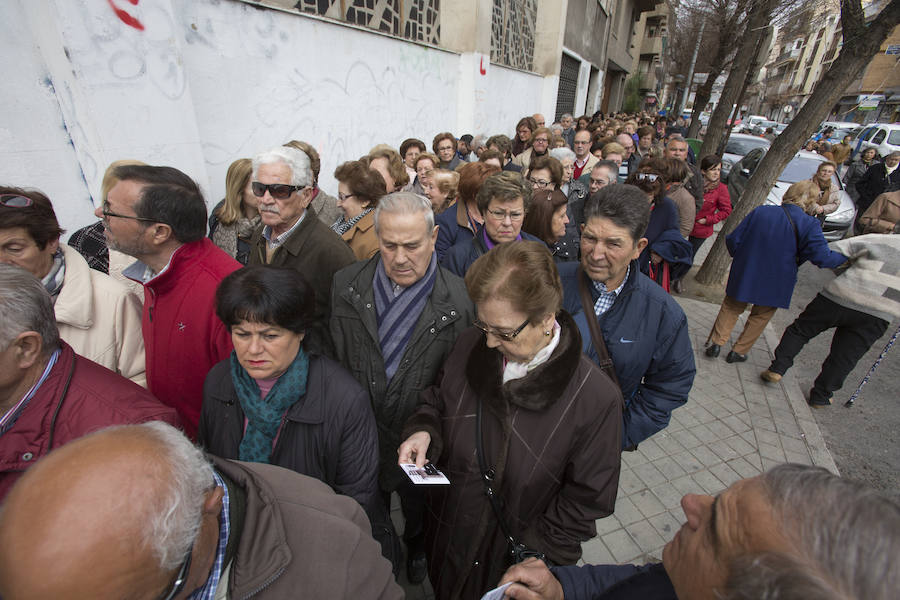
(627, 142)
(96, 513)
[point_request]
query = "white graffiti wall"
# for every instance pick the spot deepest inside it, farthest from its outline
(196, 84)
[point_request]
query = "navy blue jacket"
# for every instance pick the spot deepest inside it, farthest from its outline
(460, 257)
(608, 582)
(764, 247)
(450, 232)
(664, 217)
(646, 333)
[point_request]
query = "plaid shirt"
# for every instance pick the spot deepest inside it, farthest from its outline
(91, 244)
(607, 298)
(281, 239)
(208, 591)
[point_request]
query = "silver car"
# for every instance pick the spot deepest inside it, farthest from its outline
(738, 145)
(802, 166)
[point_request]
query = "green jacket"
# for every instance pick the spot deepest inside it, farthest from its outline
(354, 331)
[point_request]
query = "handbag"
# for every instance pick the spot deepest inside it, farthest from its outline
(604, 359)
(517, 550)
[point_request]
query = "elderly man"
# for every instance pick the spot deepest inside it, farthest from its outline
(157, 520)
(584, 160)
(97, 315)
(677, 147)
(158, 216)
(48, 393)
(604, 173)
(503, 145)
(793, 532)
(646, 135)
(394, 319)
(325, 205)
(539, 120)
(568, 133)
(644, 330)
(630, 158)
(282, 181)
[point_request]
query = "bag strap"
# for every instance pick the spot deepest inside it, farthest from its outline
(604, 359)
(487, 476)
(796, 233)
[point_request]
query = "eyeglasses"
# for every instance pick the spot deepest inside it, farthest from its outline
(108, 213)
(15, 201)
(539, 183)
(501, 215)
(651, 177)
(599, 182)
(181, 578)
(279, 191)
(506, 336)
(578, 143)
(541, 140)
(343, 197)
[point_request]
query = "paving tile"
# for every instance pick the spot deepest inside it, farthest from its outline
(740, 445)
(669, 468)
(633, 459)
(799, 458)
(743, 468)
(686, 485)
(649, 474)
(768, 437)
(770, 452)
(722, 450)
(709, 482)
(621, 546)
(704, 434)
(669, 444)
(788, 428)
(666, 524)
(668, 495)
(607, 524)
(790, 444)
(687, 461)
(646, 536)
(595, 552)
(686, 438)
(759, 422)
(651, 449)
(725, 474)
(706, 456)
(768, 463)
(720, 429)
(629, 483)
(626, 512)
(647, 503)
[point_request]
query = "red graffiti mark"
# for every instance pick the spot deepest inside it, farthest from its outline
(481, 67)
(125, 17)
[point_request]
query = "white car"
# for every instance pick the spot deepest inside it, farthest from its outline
(738, 145)
(802, 166)
(884, 137)
(841, 129)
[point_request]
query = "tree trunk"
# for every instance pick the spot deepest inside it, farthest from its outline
(760, 15)
(860, 45)
(701, 98)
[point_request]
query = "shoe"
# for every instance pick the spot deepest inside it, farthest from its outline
(712, 350)
(817, 401)
(417, 568)
(770, 376)
(734, 357)
(677, 286)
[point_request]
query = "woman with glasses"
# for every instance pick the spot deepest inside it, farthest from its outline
(503, 201)
(667, 255)
(716, 202)
(539, 146)
(521, 413)
(463, 222)
(522, 139)
(359, 189)
(233, 220)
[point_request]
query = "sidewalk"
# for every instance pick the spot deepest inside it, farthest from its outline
(733, 426)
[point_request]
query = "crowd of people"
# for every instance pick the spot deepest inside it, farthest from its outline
(226, 400)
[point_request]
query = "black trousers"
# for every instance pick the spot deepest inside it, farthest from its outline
(412, 505)
(855, 332)
(696, 243)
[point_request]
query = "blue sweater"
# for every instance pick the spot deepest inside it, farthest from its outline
(646, 333)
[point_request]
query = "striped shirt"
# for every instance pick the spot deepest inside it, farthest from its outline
(13, 414)
(279, 240)
(208, 591)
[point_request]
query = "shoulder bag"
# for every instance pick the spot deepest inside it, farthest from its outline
(604, 359)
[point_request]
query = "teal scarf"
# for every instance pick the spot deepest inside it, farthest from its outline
(264, 415)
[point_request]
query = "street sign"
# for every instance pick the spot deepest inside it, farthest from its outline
(893, 49)
(869, 101)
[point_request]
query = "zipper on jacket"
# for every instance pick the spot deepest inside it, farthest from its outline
(269, 582)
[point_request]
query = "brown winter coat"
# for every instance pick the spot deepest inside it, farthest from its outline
(883, 215)
(553, 440)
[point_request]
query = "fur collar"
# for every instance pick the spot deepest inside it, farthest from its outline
(537, 390)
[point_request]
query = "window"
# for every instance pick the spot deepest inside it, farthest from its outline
(894, 138)
(879, 137)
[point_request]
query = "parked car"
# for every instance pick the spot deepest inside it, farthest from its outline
(760, 127)
(738, 145)
(802, 166)
(750, 122)
(779, 127)
(841, 128)
(884, 137)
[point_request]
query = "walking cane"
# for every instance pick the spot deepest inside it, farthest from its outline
(872, 370)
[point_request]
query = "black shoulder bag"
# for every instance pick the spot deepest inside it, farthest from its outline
(517, 550)
(796, 234)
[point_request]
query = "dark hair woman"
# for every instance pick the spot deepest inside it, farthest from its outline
(359, 189)
(522, 138)
(521, 373)
(547, 219)
(716, 202)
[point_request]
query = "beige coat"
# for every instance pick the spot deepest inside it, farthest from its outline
(361, 237)
(883, 215)
(100, 318)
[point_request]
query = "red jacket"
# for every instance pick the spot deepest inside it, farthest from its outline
(183, 337)
(716, 207)
(78, 397)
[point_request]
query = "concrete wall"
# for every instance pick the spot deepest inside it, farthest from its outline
(196, 84)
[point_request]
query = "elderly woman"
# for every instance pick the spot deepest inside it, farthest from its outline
(273, 402)
(503, 200)
(444, 146)
(543, 423)
(546, 173)
(441, 189)
(716, 202)
(566, 158)
(539, 146)
(547, 220)
(768, 246)
(233, 220)
(463, 221)
(96, 315)
(425, 163)
(386, 161)
(522, 140)
(410, 150)
(857, 169)
(359, 189)
(667, 255)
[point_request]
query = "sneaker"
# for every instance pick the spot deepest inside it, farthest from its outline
(712, 350)
(734, 357)
(770, 376)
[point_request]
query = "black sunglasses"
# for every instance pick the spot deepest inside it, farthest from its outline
(279, 191)
(15, 201)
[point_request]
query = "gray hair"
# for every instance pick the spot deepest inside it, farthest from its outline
(556, 128)
(894, 154)
(676, 137)
(849, 531)
(479, 141)
(296, 160)
(562, 154)
(777, 576)
(405, 203)
(172, 528)
(564, 115)
(25, 305)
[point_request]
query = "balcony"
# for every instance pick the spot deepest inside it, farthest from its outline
(787, 56)
(652, 45)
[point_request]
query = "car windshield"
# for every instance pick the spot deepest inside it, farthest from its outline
(894, 138)
(742, 146)
(840, 133)
(799, 168)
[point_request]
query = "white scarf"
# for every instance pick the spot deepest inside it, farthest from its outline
(515, 370)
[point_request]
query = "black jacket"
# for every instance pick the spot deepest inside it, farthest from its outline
(329, 433)
(875, 182)
(354, 330)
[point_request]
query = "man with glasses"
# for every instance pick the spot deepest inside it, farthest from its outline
(158, 521)
(282, 180)
(584, 160)
(645, 331)
(630, 158)
(603, 174)
(158, 216)
(503, 199)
